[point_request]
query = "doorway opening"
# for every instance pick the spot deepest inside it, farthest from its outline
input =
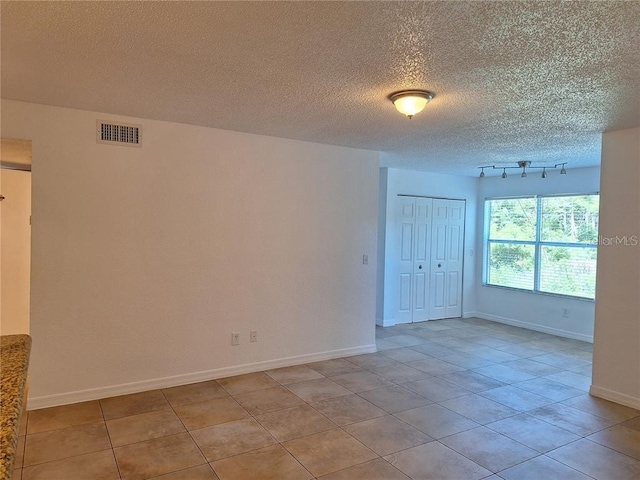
(15, 236)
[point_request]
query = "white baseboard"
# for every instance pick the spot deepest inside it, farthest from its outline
(614, 396)
(469, 314)
(534, 326)
(35, 403)
(385, 323)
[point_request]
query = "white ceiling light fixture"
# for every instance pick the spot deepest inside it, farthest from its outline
(524, 164)
(410, 102)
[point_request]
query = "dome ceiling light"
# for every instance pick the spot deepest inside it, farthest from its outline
(410, 102)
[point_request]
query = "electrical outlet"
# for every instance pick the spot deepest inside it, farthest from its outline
(235, 338)
(565, 313)
(365, 259)
(253, 336)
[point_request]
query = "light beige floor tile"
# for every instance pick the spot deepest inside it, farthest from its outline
(435, 461)
(95, 466)
(436, 421)
(602, 408)
(294, 422)
(542, 467)
(536, 369)
(560, 360)
(65, 442)
(16, 474)
(378, 469)
(194, 393)
(496, 356)
(433, 350)
(623, 439)
(516, 398)
(504, 374)
(404, 355)
(633, 423)
(231, 438)
(137, 428)
(297, 373)
(571, 419)
(134, 404)
(435, 366)
(522, 350)
(316, 390)
(247, 383)
(212, 412)
(492, 342)
(201, 472)
(385, 435)
(268, 400)
(435, 389)
(450, 342)
(269, 463)
(479, 409)
(64, 416)
(533, 432)
(399, 373)
(383, 344)
(22, 426)
(337, 366)
(370, 361)
(19, 458)
(328, 452)
(360, 381)
(490, 449)
(466, 361)
(586, 370)
(472, 381)
(571, 379)
(394, 399)
(597, 461)
(407, 340)
(348, 409)
(156, 457)
(549, 389)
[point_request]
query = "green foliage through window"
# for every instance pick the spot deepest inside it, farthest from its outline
(546, 244)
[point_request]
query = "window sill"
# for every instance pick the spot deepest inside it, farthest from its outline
(546, 294)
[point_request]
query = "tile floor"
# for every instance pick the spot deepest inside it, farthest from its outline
(452, 399)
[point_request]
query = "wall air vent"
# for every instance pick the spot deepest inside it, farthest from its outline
(119, 133)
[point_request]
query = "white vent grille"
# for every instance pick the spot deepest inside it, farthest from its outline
(119, 134)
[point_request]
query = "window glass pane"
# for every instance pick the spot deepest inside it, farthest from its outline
(512, 219)
(511, 265)
(568, 270)
(570, 219)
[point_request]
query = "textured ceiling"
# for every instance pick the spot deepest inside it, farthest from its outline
(535, 81)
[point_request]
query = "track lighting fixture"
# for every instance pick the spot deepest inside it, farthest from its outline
(524, 164)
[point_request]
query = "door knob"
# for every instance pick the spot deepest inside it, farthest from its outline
(419, 267)
(439, 265)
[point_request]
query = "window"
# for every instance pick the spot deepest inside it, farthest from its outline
(542, 244)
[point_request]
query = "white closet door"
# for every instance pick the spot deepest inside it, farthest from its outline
(405, 230)
(446, 259)
(422, 252)
(455, 251)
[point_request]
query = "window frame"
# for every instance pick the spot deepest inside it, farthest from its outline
(537, 243)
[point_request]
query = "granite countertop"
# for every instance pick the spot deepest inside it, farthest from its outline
(14, 362)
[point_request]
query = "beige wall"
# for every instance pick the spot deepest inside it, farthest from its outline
(146, 259)
(616, 366)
